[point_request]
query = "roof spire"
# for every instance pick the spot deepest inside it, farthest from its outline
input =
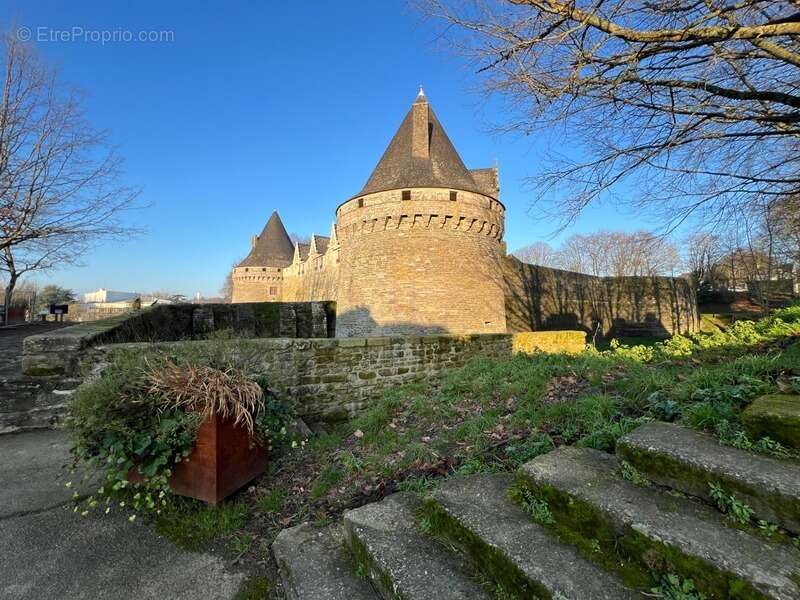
(421, 91)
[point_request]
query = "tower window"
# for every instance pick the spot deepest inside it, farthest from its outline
(273, 291)
(360, 203)
(406, 195)
(453, 196)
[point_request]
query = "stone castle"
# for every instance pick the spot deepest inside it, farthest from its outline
(419, 250)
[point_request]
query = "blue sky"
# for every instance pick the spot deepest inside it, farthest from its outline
(255, 106)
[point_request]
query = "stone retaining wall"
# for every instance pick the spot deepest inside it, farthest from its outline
(34, 402)
(326, 379)
(332, 379)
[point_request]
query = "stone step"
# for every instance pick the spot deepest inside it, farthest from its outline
(314, 565)
(687, 460)
(657, 531)
(502, 541)
(402, 561)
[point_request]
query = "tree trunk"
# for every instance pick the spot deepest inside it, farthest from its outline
(12, 282)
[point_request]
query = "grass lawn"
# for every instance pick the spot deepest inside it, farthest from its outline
(494, 415)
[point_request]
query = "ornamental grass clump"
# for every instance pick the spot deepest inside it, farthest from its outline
(207, 391)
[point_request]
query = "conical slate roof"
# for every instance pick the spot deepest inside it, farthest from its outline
(272, 248)
(420, 155)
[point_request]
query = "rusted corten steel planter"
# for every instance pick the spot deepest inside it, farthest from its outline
(222, 461)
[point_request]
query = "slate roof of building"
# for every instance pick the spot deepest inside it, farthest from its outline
(272, 248)
(303, 249)
(398, 168)
(322, 242)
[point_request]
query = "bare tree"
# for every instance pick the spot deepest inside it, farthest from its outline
(703, 251)
(538, 253)
(59, 180)
(619, 254)
(698, 101)
(226, 291)
(785, 216)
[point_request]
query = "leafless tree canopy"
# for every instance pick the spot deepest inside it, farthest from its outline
(697, 101)
(538, 253)
(59, 181)
(608, 253)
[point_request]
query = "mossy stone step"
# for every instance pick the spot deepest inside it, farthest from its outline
(687, 460)
(476, 514)
(314, 565)
(776, 416)
(656, 530)
(403, 562)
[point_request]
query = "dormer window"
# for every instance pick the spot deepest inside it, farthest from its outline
(406, 194)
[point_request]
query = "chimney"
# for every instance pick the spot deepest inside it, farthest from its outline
(420, 132)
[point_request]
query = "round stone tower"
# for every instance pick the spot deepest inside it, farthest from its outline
(421, 244)
(259, 277)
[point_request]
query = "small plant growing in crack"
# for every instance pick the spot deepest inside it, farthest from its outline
(632, 474)
(538, 509)
(736, 510)
(674, 588)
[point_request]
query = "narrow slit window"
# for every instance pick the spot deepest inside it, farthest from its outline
(406, 195)
(360, 203)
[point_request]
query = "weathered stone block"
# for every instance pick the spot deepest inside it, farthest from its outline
(550, 342)
(776, 416)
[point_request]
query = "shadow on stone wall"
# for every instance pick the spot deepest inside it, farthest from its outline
(173, 322)
(540, 298)
(358, 322)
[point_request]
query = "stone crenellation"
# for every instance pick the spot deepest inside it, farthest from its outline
(420, 251)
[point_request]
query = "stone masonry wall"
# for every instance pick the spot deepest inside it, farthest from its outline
(58, 352)
(332, 379)
(421, 266)
(319, 281)
(540, 298)
(326, 379)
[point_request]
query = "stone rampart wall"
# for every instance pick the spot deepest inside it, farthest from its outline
(318, 282)
(540, 298)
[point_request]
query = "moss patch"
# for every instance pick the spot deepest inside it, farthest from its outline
(776, 416)
(483, 558)
(695, 481)
(633, 555)
(365, 567)
(255, 588)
